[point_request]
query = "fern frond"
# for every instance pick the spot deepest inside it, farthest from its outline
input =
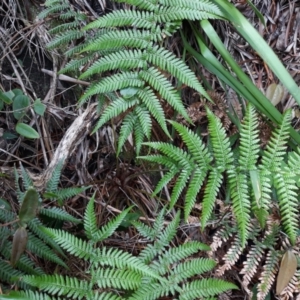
(240, 202)
(193, 4)
(144, 119)
(27, 181)
(211, 190)
(142, 4)
(96, 235)
(124, 60)
(220, 142)
(53, 182)
(195, 145)
(294, 162)
(104, 296)
(117, 279)
(64, 27)
(66, 193)
(139, 134)
(128, 126)
(28, 295)
(124, 38)
(65, 38)
(268, 275)
(289, 204)
(114, 109)
(163, 239)
(160, 83)
(194, 187)
(39, 248)
(205, 288)
(35, 226)
(249, 140)
(174, 255)
(181, 181)
(60, 285)
(72, 244)
(75, 64)
(253, 260)
(8, 273)
(56, 7)
(152, 103)
(190, 268)
(276, 148)
(19, 193)
(58, 214)
(113, 83)
(136, 18)
(167, 61)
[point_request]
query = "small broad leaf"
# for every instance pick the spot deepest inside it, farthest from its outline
(19, 245)
(275, 93)
(287, 270)
(20, 105)
(26, 131)
(29, 206)
(128, 92)
(9, 136)
(7, 97)
(17, 92)
(39, 107)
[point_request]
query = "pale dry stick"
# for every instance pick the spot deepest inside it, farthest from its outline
(72, 138)
(66, 78)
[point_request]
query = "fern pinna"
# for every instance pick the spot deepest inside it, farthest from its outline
(123, 51)
(159, 270)
(250, 182)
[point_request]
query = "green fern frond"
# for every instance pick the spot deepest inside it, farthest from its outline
(288, 202)
(124, 60)
(136, 18)
(118, 106)
(64, 27)
(193, 4)
(28, 295)
(19, 193)
(53, 182)
(276, 148)
(146, 4)
(181, 181)
(72, 244)
(160, 83)
(60, 285)
(144, 119)
(163, 239)
(8, 273)
(113, 83)
(294, 162)
(65, 38)
(124, 38)
(75, 64)
(35, 226)
(249, 140)
(205, 288)
(58, 214)
(220, 142)
(211, 190)
(39, 248)
(152, 103)
(104, 296)
(167, 61)
(117, 279)
(177, 254)
(195, 145)
(27, 181)
(127, 128)
(56, 7)
(191, 268)
(97, 235)
(238, 184)
(66, 193)
(194, 187)
(7, 216)
(139, 136)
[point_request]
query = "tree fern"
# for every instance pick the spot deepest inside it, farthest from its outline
(130, 47)
(159, 270)
(250, 181)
